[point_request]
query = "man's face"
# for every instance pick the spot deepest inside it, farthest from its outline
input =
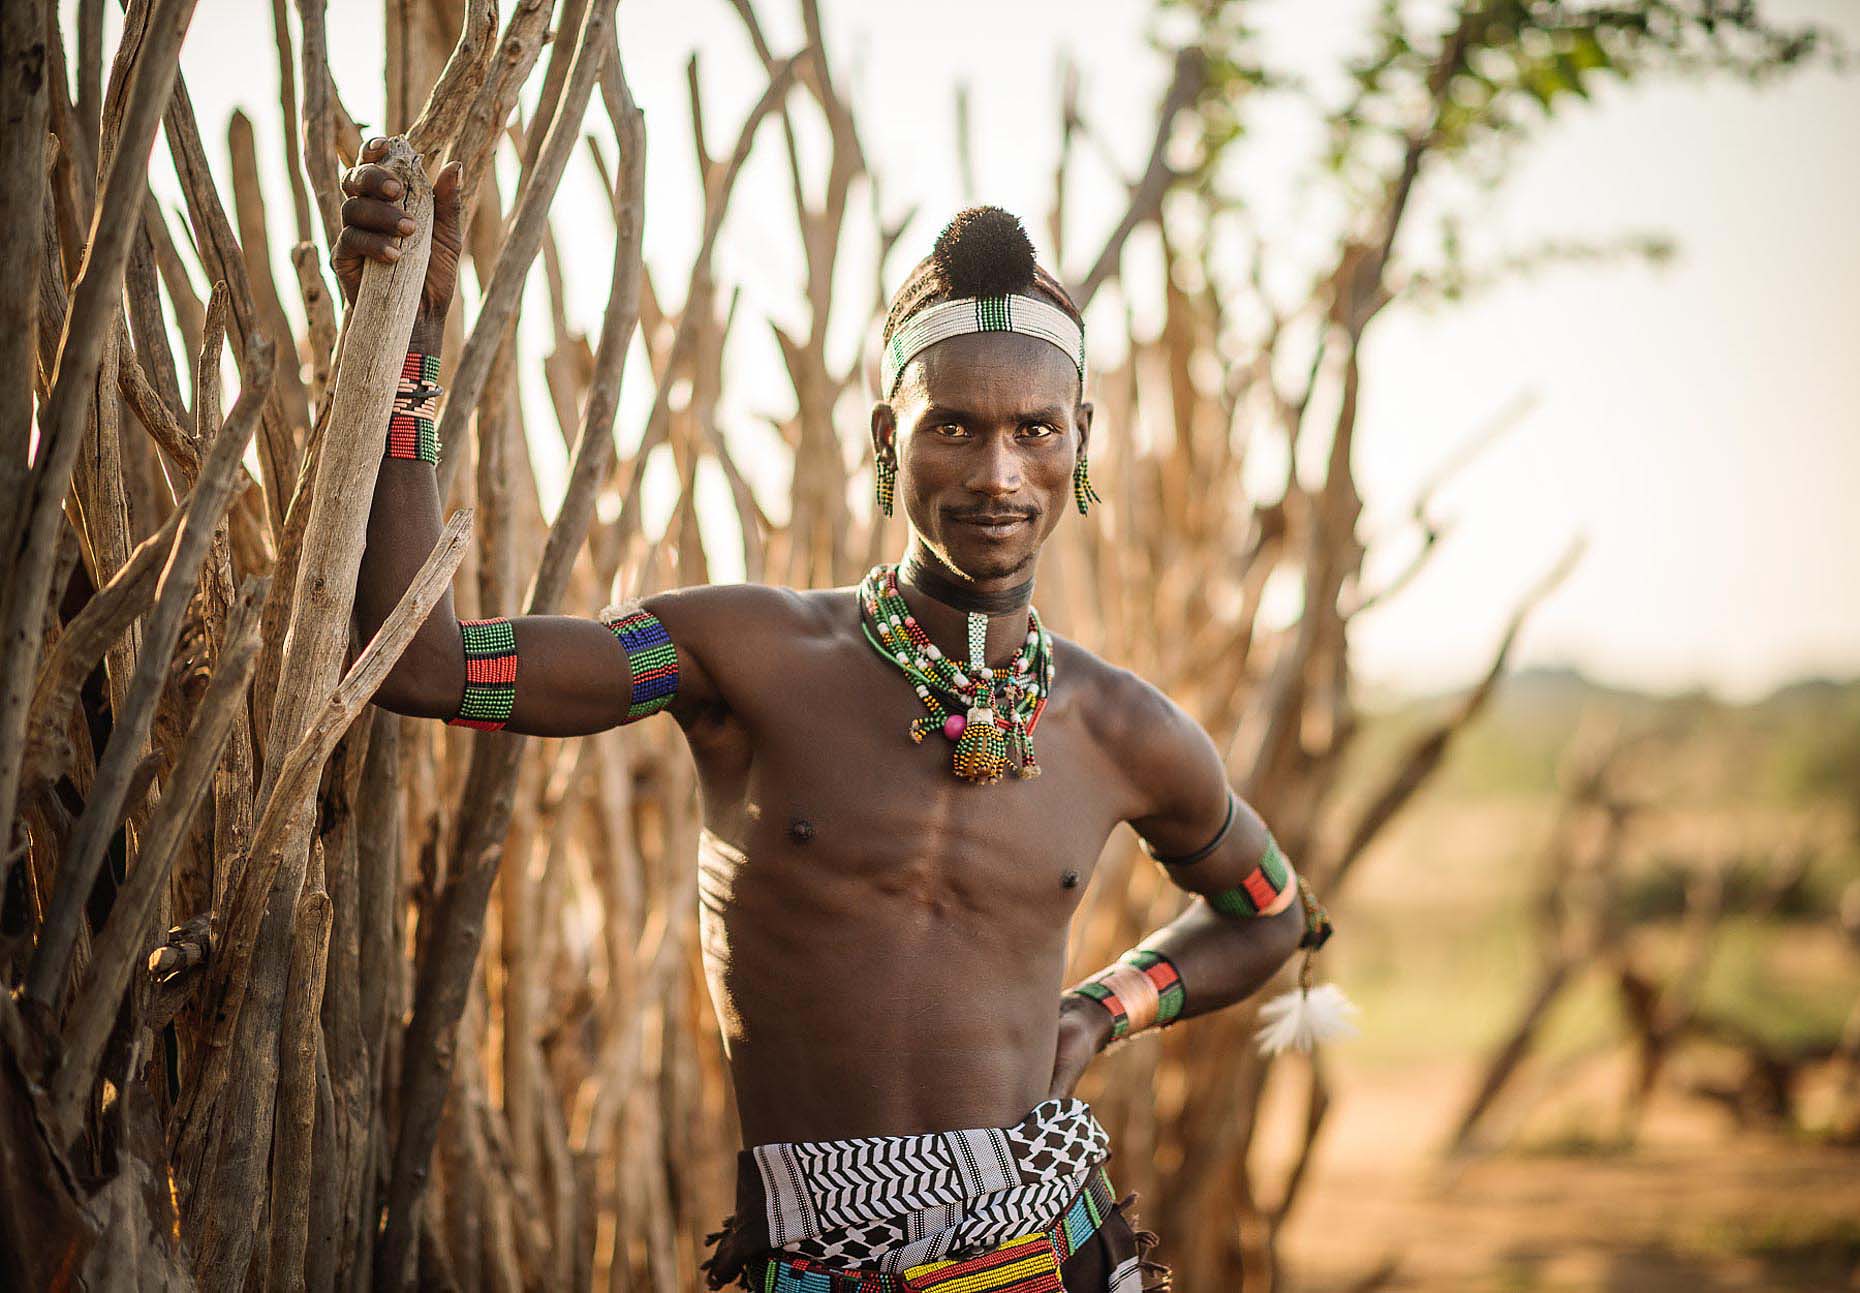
(986, 428)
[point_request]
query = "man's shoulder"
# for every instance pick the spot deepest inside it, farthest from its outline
(1119, 703)
(750, 611)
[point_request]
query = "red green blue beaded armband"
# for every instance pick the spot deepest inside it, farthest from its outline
(652, 660)
(490, 674)
(1142, 989)
(411, 434)
(1262, 888)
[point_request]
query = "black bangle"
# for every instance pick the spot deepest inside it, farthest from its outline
(1189, 859)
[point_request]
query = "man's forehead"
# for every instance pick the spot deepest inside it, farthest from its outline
(990, 369)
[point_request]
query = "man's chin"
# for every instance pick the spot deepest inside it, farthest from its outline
(981, 559)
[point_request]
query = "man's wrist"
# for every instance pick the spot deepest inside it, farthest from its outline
(429, 333)
(1090, 1014)
(1141, 989)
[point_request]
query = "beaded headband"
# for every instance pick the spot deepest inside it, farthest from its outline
(1026, 315)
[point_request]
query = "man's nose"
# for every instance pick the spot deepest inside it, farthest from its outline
(996, 468)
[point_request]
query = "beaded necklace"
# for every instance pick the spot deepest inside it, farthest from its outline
(987, 713)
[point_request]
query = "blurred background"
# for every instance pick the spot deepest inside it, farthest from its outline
(1479, 430)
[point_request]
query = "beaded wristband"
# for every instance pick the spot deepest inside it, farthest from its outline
(411, 434)
(490, 674)
(1263, 891)
(651, 659)
(1142, 989)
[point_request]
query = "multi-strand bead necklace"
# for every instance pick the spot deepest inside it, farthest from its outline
(988, 713)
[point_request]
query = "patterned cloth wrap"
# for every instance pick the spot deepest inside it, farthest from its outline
(987, 1210)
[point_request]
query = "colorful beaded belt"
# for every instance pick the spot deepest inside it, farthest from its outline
(1025, 1264)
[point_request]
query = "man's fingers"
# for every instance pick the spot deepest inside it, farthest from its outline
(374, 150)
(446, 183)
(358, 245)
(371, 181)
(376, 216)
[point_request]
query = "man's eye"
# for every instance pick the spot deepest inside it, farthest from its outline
(951, 429)
(1039, 430)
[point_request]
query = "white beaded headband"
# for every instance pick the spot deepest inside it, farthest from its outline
(1026, 315)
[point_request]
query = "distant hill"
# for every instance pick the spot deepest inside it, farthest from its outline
(1803, 738)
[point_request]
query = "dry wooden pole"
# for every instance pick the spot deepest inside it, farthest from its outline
(131, 924)
(498, 312)
(51, 963)
(23, 107)
(297, 1043)
(88, 324)
(224, 1208)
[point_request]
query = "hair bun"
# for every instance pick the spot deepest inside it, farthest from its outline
(984, 251)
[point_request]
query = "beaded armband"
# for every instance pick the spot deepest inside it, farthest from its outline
(490, 674)
(411, 433)
(1265, 889)
(651, 658)
(1142, 989)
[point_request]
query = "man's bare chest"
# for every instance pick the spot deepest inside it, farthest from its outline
(823, 792)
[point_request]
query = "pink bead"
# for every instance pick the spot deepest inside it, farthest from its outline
(911, 620)
(953, 725)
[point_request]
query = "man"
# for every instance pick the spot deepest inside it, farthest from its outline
(886, 881)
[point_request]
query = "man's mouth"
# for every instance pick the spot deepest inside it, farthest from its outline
(993, 524)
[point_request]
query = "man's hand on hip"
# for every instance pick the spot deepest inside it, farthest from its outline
(1084, 1029)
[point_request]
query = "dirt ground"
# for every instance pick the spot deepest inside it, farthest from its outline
(1689, 1210)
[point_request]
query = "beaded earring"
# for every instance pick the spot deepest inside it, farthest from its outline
(884, 480)
(1082, 492)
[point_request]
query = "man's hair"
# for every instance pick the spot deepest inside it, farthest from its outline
(984, 251)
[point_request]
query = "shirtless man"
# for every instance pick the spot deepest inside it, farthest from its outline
(884, 930)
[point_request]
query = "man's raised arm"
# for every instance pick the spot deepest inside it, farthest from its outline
(546, 675)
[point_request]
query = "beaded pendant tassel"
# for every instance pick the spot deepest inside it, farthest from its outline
(989, 714)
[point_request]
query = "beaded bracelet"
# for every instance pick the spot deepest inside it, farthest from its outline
(1141, 989)
(490, 674)
(652, 659)
(411, 434)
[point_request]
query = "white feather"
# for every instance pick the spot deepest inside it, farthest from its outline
(1302, 1019)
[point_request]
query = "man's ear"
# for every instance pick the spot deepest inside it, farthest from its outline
(884, 430)
(1083, 418)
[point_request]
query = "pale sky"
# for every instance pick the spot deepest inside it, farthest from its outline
(1699, 423)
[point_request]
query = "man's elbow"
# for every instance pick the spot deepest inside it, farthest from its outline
(1286, 931)
(424, 682)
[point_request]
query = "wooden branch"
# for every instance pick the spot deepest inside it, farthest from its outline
(131, 925)
(105, 617)
(23, 110)
(441, 120)
(249, 209)
(555, 78)
(502, 293)
(296, 1118)
(320, 312)
(1425, 754)
(287, 116)
(88, 326)
(491, 780)
(319, 144)
(517, 52)
(348, 458)
(51, 964)
(717, 199)
(223, 259)
(1147, 194)
(594, 446)
(240, 990)
(188, 311)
